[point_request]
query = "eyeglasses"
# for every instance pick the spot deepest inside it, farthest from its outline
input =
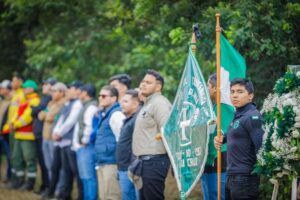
(103, 96)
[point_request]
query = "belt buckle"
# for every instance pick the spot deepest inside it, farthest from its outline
(146, 157)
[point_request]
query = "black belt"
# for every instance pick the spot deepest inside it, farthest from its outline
(148, 157)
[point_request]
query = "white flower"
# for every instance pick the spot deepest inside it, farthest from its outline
(285, 166)
(296, 110)
(297, 125)
(287, 96)
(295, 133)
(288, 102)
(279, 175)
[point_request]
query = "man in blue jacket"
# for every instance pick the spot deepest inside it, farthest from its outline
(107, 135)
(244, 138)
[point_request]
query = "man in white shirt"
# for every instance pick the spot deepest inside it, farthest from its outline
(82, 144)
(63, 135)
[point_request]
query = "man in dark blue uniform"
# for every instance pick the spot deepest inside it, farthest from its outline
(244, 138)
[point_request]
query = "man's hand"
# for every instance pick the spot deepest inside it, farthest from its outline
(218, 142)
(84, 144)
(11, 127)
(55, 137)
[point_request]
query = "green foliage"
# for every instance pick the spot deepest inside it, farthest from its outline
(285, 122)
(289, 82)
(92, 40)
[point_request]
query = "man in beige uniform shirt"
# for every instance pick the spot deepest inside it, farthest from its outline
(147, 144)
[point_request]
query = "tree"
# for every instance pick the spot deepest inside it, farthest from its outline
(93, 40)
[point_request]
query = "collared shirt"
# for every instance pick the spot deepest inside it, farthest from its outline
(63, 126)
(149, 122)
(116, 123)
(87, 131)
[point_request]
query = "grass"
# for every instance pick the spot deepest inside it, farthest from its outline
(171, 191)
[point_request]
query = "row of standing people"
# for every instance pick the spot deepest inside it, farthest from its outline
(118, 130)
(75, 137)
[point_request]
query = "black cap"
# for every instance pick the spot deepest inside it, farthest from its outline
(50, 81)
(76, 84)
(90, 89)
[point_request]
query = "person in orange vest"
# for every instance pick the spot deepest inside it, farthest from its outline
(24, 150)
(18, 98)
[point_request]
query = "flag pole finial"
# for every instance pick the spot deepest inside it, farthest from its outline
(193, 43)
(195, 35)
(218, 27)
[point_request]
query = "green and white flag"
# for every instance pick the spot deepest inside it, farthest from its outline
(233, 66)
(186, 132)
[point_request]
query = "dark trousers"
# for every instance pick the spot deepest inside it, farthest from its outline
(69, 164)
(40, 157)
(55, 169)
(242, 187)
(4, 148)
(154, 173)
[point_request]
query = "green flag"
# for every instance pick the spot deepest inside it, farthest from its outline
(186, 132)
(233, 66)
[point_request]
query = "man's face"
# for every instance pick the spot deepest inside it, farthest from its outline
(212, 92)
(5, 92)
(78, 92)
(16, 83)
(149, 85)
(71, 93)
(105, 99)
(119, 86)
(129, 104)
(240, 96)
(28, 90)
(56, 95)
(82, 96)
(46, 88)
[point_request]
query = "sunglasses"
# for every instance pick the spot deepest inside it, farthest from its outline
(103, 96)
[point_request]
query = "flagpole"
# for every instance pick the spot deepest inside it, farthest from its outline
(218, 32)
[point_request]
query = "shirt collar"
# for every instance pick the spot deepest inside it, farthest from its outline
(242, 110)
(152, 96)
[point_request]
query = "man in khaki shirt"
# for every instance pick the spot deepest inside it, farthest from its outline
(147, 144)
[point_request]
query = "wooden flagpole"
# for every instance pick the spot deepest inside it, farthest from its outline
(218, 32)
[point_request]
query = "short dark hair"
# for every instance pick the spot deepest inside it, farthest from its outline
(125, 79)
(113, 91)
(133, 94)
(244, 82)
(18, 76)
(90, 90)
(212, 79)
(157, 76)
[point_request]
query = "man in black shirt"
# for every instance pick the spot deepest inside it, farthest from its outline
(130, 106)
(244, 138)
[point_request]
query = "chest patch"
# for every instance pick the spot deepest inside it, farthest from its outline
(236, 124)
